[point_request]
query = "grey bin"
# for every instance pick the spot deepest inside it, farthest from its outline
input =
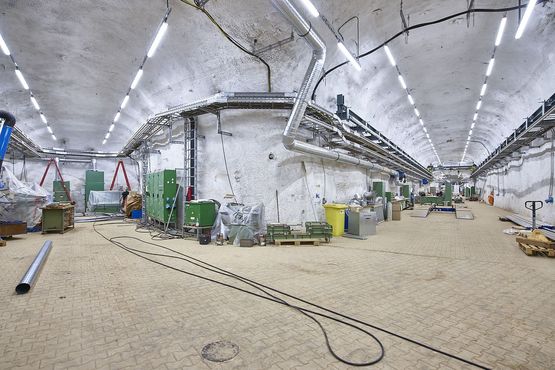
(362, 224)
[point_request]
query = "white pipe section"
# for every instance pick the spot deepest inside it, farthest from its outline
(301, 102)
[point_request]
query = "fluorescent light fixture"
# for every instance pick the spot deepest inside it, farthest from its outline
(479, 105)
(483, 91)
(116, 118)
(157, 39)
(21, 78)
(107, 136)
(43, 118)
(390, 56)
(411, 100)
(472, 126)
(469, 133)
(54, 137)
(416, 112)
(402, 81)
(421, 122)
(525, 18)
(103, 141)
(349, 56)
(137, 79)
(124, 102)
(425, 130)
(428, 136)
(490, 66)
(111, 128)
(35, 103)
(49, 129)
(475, 116)
(500, 31)
(3, 46)
(311, 8)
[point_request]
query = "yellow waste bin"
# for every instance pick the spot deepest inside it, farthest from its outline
(335, 216)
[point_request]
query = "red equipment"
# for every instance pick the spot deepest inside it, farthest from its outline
(120, 163)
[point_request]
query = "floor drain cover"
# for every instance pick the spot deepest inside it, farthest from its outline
(220, 351)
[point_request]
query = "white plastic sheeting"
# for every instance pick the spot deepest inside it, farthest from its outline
(21, 201)
(103, 198)
(238, 222)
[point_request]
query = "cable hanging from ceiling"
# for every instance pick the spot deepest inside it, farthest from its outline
(500, 31)
(410, 99)
(160, 32)
(416, 26)
(25, 85)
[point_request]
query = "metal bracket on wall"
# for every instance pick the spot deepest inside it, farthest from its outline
(220, 132)
(470, 6)
(275, 45)
(405, 22)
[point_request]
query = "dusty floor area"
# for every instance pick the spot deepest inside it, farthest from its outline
(462, 286)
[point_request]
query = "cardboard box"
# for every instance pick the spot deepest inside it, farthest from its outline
(396, 215)
(396, 206)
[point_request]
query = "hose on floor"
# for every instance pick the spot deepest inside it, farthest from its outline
(273, 298)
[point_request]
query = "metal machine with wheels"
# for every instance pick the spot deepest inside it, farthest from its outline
(531, 205)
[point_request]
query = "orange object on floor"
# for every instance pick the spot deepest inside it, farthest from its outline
(490, 199)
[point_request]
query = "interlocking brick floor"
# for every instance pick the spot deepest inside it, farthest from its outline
(459, 285)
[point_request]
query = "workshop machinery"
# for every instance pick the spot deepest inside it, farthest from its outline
(161, 195)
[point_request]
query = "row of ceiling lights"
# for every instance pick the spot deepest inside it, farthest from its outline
(411, 99)
(500, 31)
(314, 12)
(25, 85)
(155, 43)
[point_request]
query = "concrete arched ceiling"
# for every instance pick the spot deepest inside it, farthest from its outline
(79, 58)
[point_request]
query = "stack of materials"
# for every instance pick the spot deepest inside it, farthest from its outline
(133, 202)
(21, 202)
(396, 214)
(319, 230)
(278, 231)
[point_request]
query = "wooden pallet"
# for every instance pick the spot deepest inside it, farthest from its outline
(298, 242)
(532, 250)
(535, 243)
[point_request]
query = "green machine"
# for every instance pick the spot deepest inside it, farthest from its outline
(59, 193)
(161, 190)
(388, 196)
(448, 194)
(379, 188)
(405, 191)
(94, 180)
(200, 213)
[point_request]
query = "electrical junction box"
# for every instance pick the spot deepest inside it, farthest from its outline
(161, 190)
(200, 213)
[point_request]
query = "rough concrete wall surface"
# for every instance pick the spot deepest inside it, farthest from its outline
(302, 182)
(75, 174)
(527, 178)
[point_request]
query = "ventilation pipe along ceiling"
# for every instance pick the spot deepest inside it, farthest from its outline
(312, 74)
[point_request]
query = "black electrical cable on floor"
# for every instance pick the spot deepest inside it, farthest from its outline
(262, 287)
(306, 312)
(416, 26)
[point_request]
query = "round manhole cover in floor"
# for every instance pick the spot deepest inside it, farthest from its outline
(220, 351)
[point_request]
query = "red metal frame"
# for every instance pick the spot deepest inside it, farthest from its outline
(52, 160)
(120, 163)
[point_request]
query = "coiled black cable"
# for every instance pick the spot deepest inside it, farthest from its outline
(420, 25)
(263, 288)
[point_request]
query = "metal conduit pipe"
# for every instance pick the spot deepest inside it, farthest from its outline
(33, 272)
(313, 72)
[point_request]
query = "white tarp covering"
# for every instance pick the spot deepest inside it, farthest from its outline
(103, 198)
(238, 222)
(21, 201)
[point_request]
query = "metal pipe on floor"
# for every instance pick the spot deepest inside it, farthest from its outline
(32, 273)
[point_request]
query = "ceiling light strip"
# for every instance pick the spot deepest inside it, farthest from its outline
(489, 70)
(410, 99)
(25, 85)
(160, 32)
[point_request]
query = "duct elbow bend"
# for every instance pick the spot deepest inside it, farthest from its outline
(9, 119)
(288, 142)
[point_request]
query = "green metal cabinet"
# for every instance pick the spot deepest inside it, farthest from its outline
(405, 191)
(94, 180)
(160, 197)
(200, 213)
(59, 193)
(379, 188)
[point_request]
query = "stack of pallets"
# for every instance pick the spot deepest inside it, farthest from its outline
(532, 247)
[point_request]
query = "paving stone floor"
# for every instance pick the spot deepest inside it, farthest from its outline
(462, 286)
